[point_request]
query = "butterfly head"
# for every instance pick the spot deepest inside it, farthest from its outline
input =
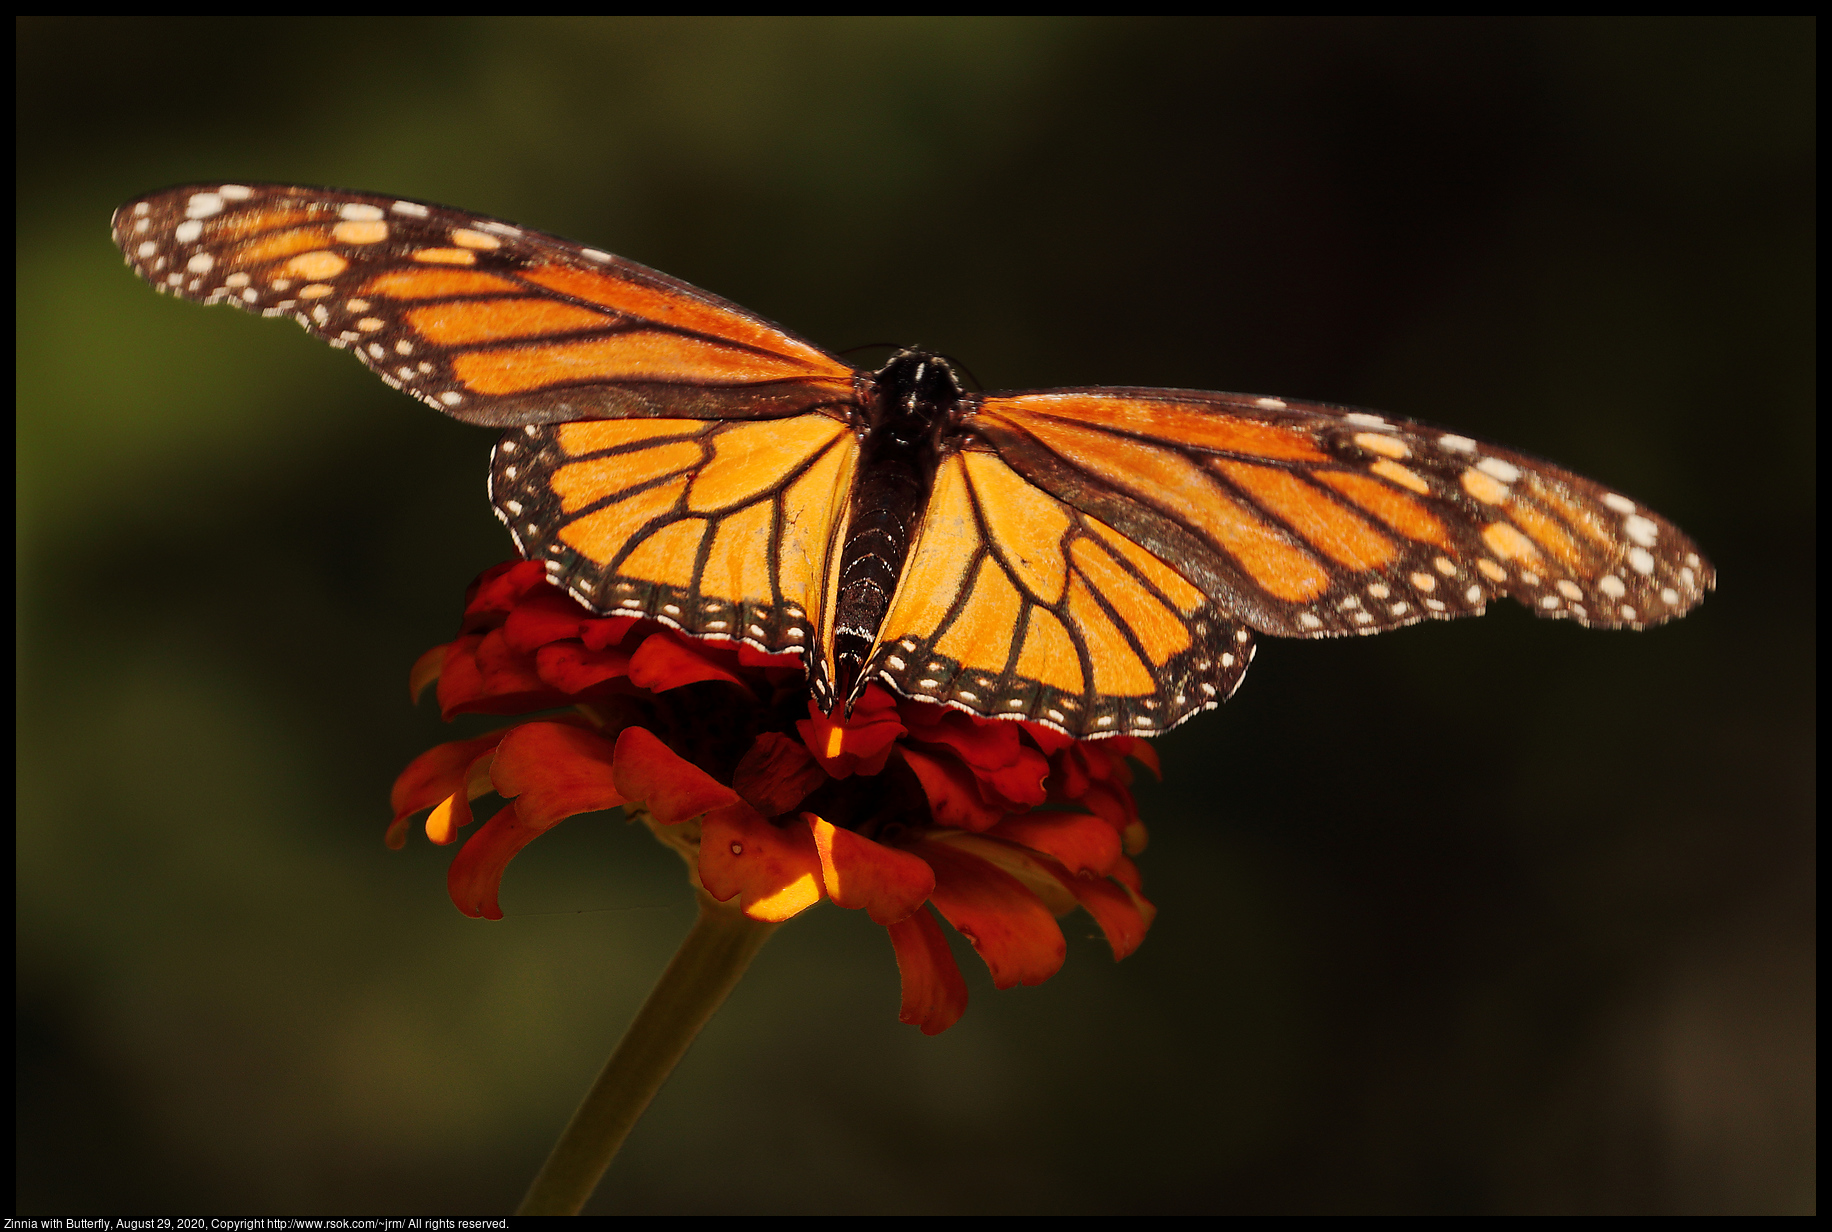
(917, 398)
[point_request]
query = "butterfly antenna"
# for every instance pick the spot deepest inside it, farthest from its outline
(977, 383)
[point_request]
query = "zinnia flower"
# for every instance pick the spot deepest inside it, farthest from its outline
(1000, 826)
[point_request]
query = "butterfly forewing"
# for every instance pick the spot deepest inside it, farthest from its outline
(720, 529)
(1312, 521)
(489, 322)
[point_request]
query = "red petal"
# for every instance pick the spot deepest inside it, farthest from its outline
(1068, 780)
(1115, 909)
(437, 773)
(776, 774)
(774, 869)
(665, 660)
(1081, 843)
(1127, 874)
(476, 874)
(483, 675)
(1048, 739)
(1012, 930)
(984, 744)
(497, 590)
(653, 775)
(603, 634)
(934, 994)
(1112, 804)
(1019, 785)
(858, 873)
(1010, 772)
(547, 615)
(555, 770)
(857, 744)
(953, 792)
(425, 671)
(1146, 754)
(571, 668)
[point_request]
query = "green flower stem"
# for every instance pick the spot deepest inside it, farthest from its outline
(715, 953)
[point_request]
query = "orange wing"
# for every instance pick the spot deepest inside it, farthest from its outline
(491, 323)
(723, 530)
(1014, 604)
(1305, 520)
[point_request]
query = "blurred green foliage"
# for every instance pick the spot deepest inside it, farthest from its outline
(1496, 916)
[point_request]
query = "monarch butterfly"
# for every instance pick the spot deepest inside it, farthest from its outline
(1093, 559)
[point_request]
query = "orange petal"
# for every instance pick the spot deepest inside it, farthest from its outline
(673, 789)
(555, 770)
(666, 661)
(953, 792)
(569, 667)
(775, 870)
(449, 816)
(425, 672)
(934, 994)
(476, 873)
(1134, 837)
(858, 873)
(434, 775)
(776, 774)
(859, 743)
(1010, 928)
(1081, 843)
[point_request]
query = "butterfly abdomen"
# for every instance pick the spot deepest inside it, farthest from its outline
(915, 399)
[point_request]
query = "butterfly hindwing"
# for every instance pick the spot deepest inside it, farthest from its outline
(488, 322)
(726, 530)
(1013, 604)
(1312, 521)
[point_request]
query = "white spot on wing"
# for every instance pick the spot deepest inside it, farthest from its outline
(187, 232)
(413, 209)
(1621, 504)
(1507, 472)
(1641, 530)
(357, 211)
(1641, 561)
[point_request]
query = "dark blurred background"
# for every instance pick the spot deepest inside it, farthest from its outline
(1500, 916)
